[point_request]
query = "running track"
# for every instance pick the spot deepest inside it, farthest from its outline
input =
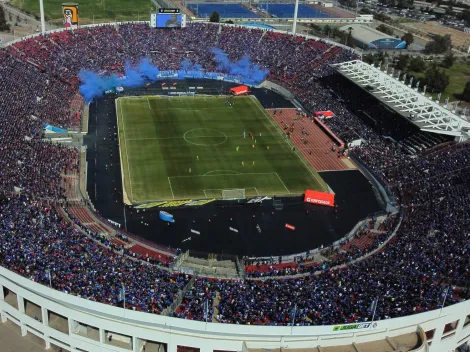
(322, 158)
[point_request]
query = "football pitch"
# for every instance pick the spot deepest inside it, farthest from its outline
(195, 147)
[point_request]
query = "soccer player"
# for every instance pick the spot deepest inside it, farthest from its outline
(253, 163)
(253, 145)
(197, 157)
(267, 147)
(190, 170)
(243, 163)
(238, 148)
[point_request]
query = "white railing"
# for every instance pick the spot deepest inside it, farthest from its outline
(140, 327)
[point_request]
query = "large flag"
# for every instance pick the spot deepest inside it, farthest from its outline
(372, 306)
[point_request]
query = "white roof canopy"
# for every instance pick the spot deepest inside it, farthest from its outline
(416, 107)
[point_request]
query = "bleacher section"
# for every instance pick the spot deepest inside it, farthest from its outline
(287, 11)
(224, 10)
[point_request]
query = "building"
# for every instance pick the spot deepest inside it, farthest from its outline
(369, 38)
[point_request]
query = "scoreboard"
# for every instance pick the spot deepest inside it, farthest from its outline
(168, 18)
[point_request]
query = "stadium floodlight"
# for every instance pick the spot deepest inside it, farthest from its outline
(43, 22)
(296, 10)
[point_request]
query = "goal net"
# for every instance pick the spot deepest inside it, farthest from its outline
(233, 194)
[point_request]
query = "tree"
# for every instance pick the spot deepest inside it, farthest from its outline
(439, 44)
(349, 40)
(402, 62)
(385, 29)
(215, 17)
(229, 22)
(408, 38)
(465, 15)
(368, 58)
(448, 60)
(327, 30)
(466, 92)
(417, 64)
(4, 26)
(436, 80)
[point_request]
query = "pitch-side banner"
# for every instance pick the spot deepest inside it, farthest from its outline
(320, 198)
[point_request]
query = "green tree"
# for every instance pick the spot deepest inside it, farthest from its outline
(4, 26)
(417, 64)
(465, 15)
(448, 60)
(349, 40)
(368, 58)
(466, 92)
(229, 22)
(408, 38)
(436, 80)
(382, 17)
(215, 17)
(439, 44)
(385, 29)
(402, 62)
(327, 30)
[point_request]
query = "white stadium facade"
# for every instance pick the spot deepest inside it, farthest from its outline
(78, 324)
(83, 325)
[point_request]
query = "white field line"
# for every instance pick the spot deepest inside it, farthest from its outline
(282, 183)
(171, 188)
(256, 190)
(182, 137)
(283, 137)
(127, 154)
(248, 173)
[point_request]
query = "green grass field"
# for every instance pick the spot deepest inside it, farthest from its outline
(459, 75)
(100, 10)
(161, 139)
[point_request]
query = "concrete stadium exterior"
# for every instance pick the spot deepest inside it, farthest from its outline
(131, 330)
(87, 325)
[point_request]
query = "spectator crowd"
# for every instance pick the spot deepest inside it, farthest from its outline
(427, 258)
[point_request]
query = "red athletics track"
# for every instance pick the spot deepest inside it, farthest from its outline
(319, 143)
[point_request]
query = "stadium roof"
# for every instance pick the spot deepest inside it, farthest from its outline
(428, 115)
(364, 33)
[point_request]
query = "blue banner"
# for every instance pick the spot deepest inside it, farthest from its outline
(166, 216)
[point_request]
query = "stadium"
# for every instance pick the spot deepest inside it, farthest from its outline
(224, 188)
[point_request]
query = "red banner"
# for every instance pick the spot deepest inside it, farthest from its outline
(240, 90)
(321, 198)
(290, 227)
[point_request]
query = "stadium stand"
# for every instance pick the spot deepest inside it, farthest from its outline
(287, 11)
(429, 252)
(224, 10)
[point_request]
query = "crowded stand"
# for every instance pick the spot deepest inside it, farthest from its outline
(428, 254)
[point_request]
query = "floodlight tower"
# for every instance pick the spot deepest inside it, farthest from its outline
(43, 22)
(296, 9)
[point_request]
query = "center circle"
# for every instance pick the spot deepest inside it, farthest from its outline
(204, 137)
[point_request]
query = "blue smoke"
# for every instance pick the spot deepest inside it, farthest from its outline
(244, 69)
(95, 85)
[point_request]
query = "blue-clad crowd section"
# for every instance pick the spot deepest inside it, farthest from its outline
(287, 11)
(224, 10)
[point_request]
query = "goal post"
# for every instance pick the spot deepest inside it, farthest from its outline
(238, 193)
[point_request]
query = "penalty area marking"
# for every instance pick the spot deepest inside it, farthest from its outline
(171, 188)
(282, 183)
(239, 174)
(231, 172)
(228, 189)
